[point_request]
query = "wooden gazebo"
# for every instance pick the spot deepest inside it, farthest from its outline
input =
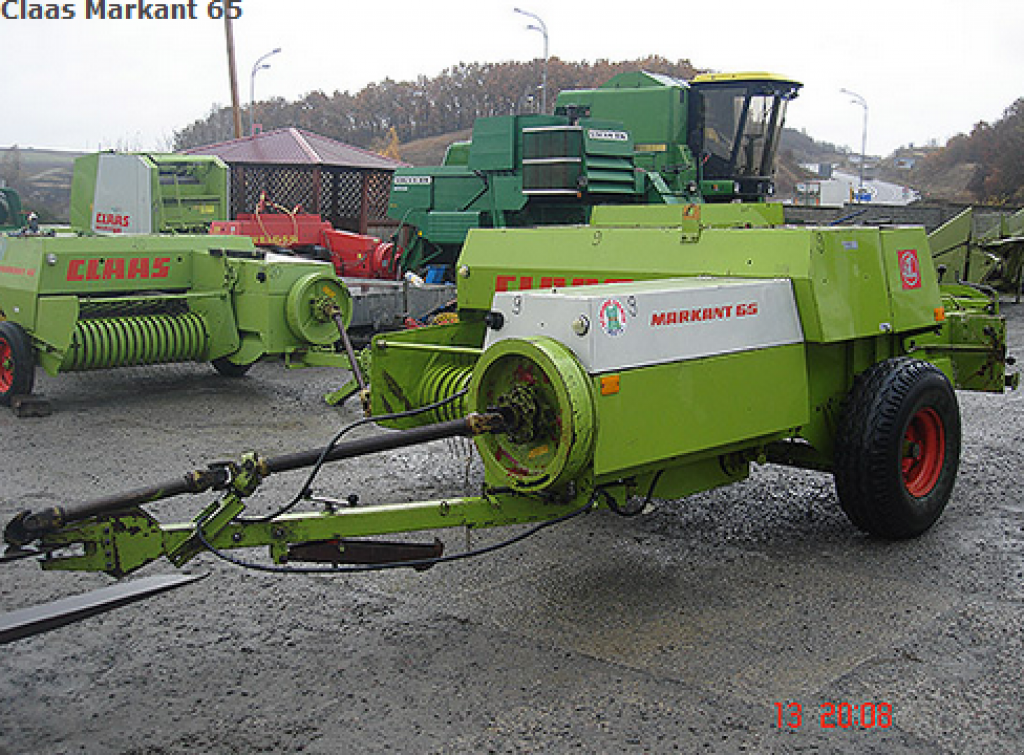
(345, 185)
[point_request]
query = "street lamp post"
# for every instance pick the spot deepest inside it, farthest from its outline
(858, 100)
(259, 65)
(543, 29)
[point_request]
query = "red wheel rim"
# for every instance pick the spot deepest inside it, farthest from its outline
(924, 451)
(6, 367)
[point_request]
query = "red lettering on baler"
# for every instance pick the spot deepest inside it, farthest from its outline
(114, 268)
(138, 267)
(549, 282)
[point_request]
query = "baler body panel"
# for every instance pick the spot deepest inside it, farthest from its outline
(676, 363)
(147, 192)
(699, 408)
(843, 279)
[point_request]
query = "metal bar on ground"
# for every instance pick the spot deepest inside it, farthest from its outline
(27, 622)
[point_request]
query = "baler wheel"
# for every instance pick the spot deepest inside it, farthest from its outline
(17, 362)
(227, 368)
(898, 448)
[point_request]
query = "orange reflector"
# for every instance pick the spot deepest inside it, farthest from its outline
(940, 314)
(609, 385)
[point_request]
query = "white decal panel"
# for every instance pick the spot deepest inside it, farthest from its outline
(619, 326)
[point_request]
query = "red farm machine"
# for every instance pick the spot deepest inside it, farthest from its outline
(354, 255)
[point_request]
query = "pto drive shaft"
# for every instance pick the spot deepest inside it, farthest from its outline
(29, 526)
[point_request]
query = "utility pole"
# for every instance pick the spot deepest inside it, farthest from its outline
(858, 100)
(236, 110)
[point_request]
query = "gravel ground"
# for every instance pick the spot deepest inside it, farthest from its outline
(686, 630)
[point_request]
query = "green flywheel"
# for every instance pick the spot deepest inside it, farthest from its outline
(539, 383)
(304, 310)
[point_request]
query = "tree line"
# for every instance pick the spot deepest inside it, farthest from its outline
(428, 106)
(996, 150)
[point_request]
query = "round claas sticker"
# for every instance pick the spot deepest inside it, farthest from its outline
(612, 317)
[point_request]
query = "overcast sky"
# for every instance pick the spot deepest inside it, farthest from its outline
(928, 69)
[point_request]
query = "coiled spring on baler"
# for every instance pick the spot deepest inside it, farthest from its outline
(442, 382)
(107, 342)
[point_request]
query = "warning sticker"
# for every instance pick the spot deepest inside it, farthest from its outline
(910, 268)
(612, 316)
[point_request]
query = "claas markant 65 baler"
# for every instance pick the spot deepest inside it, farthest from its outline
(626, 330)
(657, 352)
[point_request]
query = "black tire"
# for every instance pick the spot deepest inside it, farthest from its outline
(898, 448)
(227, 368)
(17, 362)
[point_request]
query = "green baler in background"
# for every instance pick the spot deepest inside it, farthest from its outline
(640, 138)
(83, 303)
(148, 192)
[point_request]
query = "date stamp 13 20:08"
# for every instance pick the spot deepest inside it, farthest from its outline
(835, 715)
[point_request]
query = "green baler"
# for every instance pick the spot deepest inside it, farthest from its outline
(82, 303)
(148, 192)
(640, 138)
(707, 338)
(715, 338)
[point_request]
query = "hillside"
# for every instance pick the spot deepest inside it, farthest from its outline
(985, 166)
(42, 178)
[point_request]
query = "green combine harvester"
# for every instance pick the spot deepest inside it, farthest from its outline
(641, 138)
(73, 303)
